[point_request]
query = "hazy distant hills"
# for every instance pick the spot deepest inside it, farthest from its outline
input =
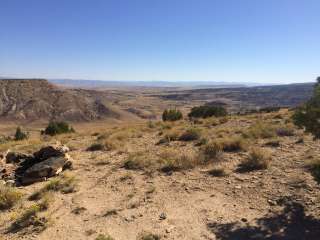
(290, 95)
(164, 84)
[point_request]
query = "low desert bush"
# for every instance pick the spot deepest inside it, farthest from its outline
(206, 111)
(191, 134)
(9, 196)
(258, 159)
(55, 128)
(171, 115)
(20, 135)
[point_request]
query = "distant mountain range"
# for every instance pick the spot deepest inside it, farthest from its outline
(165, 84)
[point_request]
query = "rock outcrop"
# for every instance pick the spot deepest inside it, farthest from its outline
(26, 169)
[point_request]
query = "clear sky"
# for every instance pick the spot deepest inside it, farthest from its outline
(274, 41)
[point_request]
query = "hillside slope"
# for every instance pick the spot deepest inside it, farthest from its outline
(38, 99)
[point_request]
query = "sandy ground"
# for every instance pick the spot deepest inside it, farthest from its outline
(282, 202)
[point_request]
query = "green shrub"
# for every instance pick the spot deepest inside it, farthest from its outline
(20, 135)
(206, 111)
(55, 128)
(171, 115)
(308, 115)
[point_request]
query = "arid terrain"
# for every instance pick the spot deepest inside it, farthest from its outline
(237, 177)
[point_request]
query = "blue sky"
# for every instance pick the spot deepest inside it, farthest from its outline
(274, 41)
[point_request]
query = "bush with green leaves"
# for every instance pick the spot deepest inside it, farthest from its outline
(308, 115)
(206, 111)
(55, 128)
(171, 115)
(20, 135)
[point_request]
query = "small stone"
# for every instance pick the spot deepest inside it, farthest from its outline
(244, 220)
(163, 216)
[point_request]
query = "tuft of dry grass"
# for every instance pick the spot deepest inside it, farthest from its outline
(9, 196)
(211, 151)
(233, 144)
(174, 160)
(148, 236)
(260, 130)
(29, 218)
(191, 134)
(258, 159)
(104, 237)
(64, 184)
(139, 161)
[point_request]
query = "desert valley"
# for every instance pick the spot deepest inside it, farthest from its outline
(150, 162)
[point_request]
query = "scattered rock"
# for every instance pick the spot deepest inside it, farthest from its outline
(45, 169)
(51, 151)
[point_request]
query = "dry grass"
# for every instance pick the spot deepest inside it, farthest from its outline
(9, 197)
(258, 159)
(104, 237)
(148, 236)
(211, 151)
(174, 160)
(286, 130)
(260, 130)
(64, 184)
(30, 217)
(233, 144)
(191, 134)
(139, 161)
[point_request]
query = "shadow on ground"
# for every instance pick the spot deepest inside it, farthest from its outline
(290, 224)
